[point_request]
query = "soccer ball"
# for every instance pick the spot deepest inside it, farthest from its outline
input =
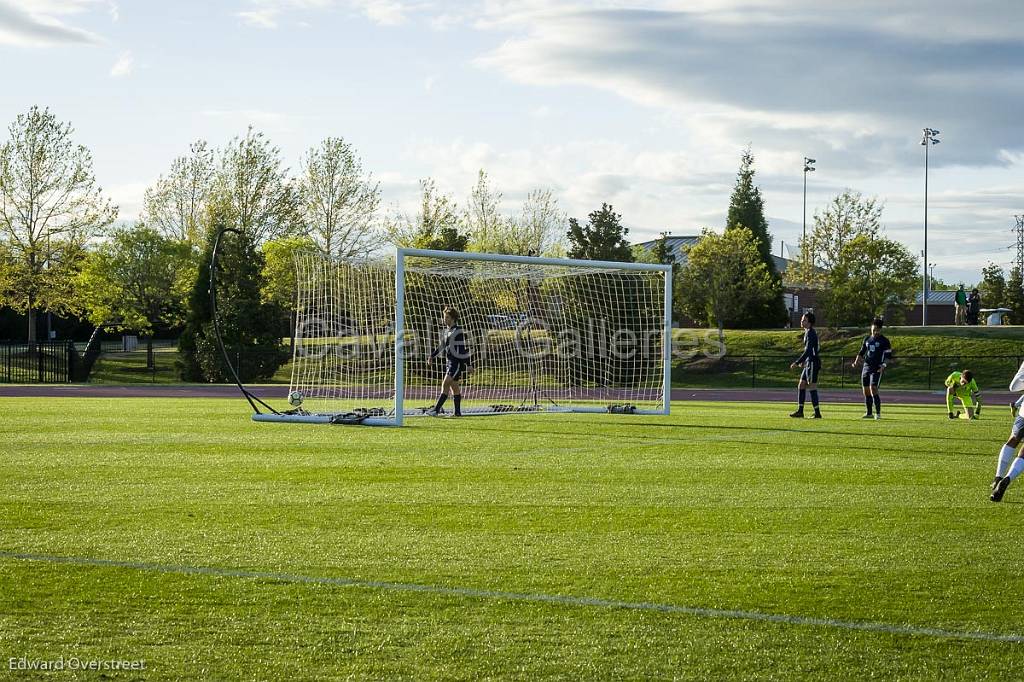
(295, 398)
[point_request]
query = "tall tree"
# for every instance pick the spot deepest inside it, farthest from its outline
(488, 228)
(339, 201)
(872, 275)
(1014, 298)
(539, 229)
(604, 237)
(253, 183)
(723, 277)
(138, 280)
(438, 224)
(175, 204)
(993, 286)
(746, 209)
(250, 326)
(50, 206)
(846, 217)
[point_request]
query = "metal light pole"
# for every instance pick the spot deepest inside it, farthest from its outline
(808, 168)
(804, 249)
(930, 138)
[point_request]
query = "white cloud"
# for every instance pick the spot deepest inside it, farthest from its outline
(268, 13)
(261, 18)
(384, 12)
(645, 185)
(817, 78)
(124, 65)
(37, 25)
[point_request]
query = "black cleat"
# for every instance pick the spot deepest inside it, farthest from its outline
(954, 416)
(799, 414)
(868, 415)
(1000, 490)
(817, 414)
(995, 481)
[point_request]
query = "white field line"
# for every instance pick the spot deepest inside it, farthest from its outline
(564, 600)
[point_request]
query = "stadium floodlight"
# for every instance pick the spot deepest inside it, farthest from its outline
(544, 334)
(930, 138)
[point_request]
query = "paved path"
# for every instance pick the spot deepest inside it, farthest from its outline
(901, 397)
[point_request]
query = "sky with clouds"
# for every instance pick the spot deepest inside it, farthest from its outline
(644, 105)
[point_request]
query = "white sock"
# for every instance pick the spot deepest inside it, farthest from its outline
(1005, 459)
(1016, 469)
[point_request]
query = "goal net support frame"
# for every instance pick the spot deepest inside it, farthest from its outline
(597, 400)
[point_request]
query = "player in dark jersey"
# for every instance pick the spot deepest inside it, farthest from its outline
(810, 360)
(456, 362)
(875, 353)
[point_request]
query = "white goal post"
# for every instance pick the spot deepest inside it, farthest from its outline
(544, 335)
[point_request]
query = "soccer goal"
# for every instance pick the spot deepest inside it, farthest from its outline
(544, 335)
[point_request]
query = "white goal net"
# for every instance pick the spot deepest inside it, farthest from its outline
(543, 335)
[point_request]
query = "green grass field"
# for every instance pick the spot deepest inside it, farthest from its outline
(720, 506)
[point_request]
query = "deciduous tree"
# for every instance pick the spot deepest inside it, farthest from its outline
(252, 182)
(723, 277)
(846, 217)
(993, 286)
(437, 225)
(138, 280)
(871, 275)
(50, 206)
(175, 204)
(340, 202)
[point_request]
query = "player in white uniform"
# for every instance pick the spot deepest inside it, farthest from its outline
(1008, 467)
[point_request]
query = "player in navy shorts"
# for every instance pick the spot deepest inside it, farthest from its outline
(875, 353)
(810, 360)
(456, 359)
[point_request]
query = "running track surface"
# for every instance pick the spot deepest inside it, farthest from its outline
(278, 392)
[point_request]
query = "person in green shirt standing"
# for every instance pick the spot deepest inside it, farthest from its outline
(961, 306)
(963, 387)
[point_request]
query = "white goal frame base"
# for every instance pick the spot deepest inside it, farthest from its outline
(469, 412)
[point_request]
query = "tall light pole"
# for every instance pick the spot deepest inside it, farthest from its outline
(808, 168)
(804, 249)
(931, 136)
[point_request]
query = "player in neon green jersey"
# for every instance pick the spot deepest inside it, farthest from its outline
(963, 387)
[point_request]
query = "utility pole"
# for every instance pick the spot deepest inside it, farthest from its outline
(1019, 229)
